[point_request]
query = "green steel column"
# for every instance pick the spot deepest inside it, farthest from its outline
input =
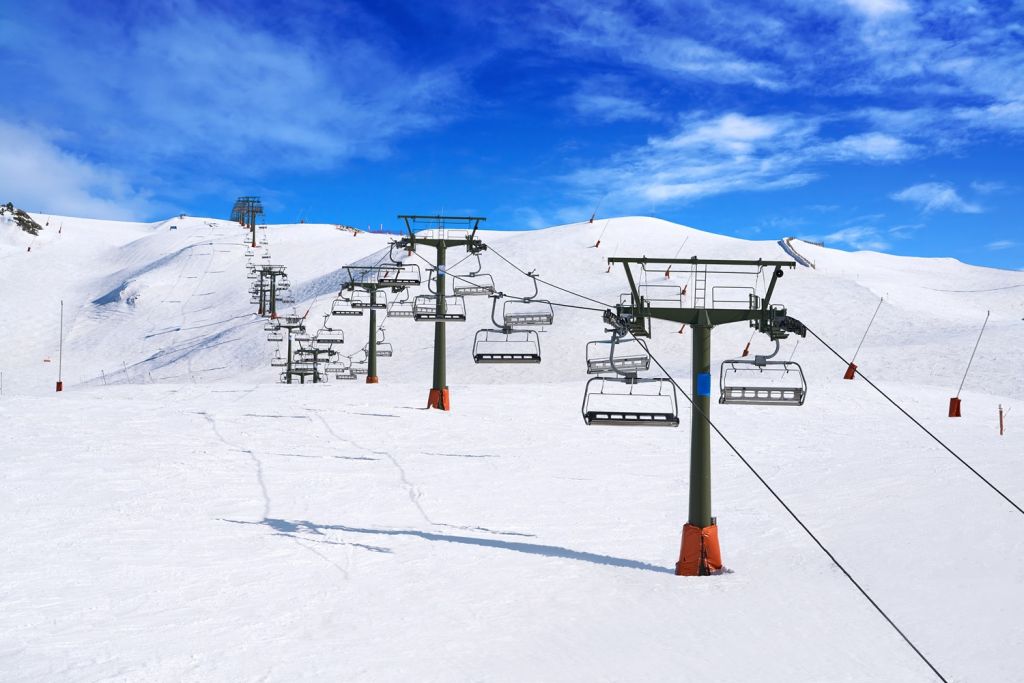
(700, 430)
(371, 355)
(263, 306)
(273, 296)
(288, 374)
(440, 380)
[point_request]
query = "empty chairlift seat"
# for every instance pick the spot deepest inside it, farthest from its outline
(385, 350)
(762, 382)
(399, 275)
(363, 299)
(329, 337)
(342, 307)
(506, 346)
(531, 313)
(630, 402)
(402, 309)
(480, 284)
(429, 308)
(624, 356)
(275, 337)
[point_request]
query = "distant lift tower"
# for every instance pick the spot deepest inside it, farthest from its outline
(440, 233)
(700, 553)
(269, 284)
(246, 210)
(364, 286)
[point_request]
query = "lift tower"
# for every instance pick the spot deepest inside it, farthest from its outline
(700, 554)
(372, 279)
(440, 233)
(246, 210)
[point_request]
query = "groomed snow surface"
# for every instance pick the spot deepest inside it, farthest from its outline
(176, 515)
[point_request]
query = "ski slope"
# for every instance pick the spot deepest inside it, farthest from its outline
(175, 514)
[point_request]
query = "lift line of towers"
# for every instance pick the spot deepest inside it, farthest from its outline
(618, 394)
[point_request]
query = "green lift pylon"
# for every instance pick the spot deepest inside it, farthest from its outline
(700, 553)
(367, 279)
(443, 232)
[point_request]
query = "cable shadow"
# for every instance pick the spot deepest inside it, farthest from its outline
(286, 527)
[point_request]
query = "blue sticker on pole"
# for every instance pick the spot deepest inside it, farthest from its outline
(440, 270)
(704, 384)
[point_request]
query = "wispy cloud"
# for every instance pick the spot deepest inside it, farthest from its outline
(857, 236)
(1001, 244)
(710, 155)
(185, 91)
(607, 99)
(614, 31)
(936, 197)
(37, 175)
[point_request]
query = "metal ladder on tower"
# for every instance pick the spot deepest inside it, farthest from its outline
(700, 285)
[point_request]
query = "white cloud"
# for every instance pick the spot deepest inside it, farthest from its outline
(878, 8)
(873, 146)
(611, 30)
(710, 155)
(37, 175)
(857, 237)
(188, 82)
(1001, 244)
(936, 197)
(987, 187)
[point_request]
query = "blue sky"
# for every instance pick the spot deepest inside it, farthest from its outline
(892, 125)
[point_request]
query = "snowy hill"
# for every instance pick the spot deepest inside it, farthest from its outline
(175, 514)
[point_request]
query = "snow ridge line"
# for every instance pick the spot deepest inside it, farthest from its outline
(787, 246)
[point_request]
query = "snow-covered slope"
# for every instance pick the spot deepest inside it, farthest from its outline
(176, 515)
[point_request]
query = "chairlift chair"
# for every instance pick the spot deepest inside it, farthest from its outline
(425, 308)
(363, 299)
(278, 362)
(630, 401)
(611, 355)
(275, 337)
(252, 275)
(328, 337)
(504, 344)
(528, 311)
(762, 382)
(271, 326)
(265, 256)
(342, 307)
(399, 275)
(385, 350)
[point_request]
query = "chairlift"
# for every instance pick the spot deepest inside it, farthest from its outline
(504, 344)
(528, 311)
(399, 274)
(342, 307)
(302, 337)
(364, 299)
(385, 350)
(630, 401)
(762, 381)
(617, 355)
(475, 283)
(265, 256)
(662, 296)
(278, 362)
(425, 308)
(327, 337)
(275, 337)
(271, 326)
(251, 275)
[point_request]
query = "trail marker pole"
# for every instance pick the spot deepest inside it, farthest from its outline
(954, 403)
(851, 369)
(60, 350)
